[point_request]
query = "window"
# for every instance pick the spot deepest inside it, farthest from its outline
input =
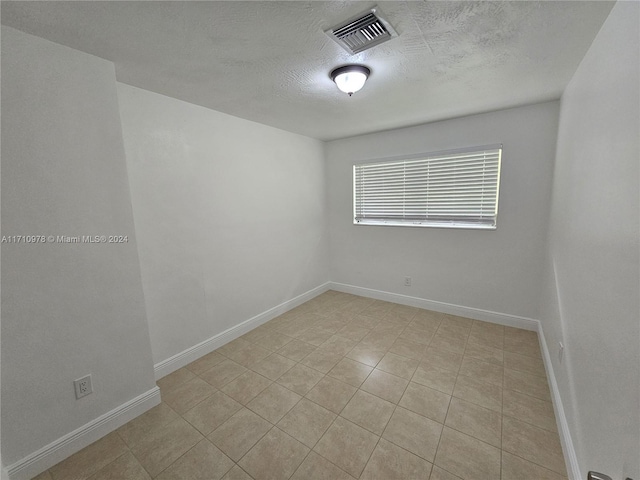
(451, 189)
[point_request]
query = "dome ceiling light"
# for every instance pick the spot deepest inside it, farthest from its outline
(350, 78)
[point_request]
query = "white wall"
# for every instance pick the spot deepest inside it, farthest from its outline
(230, 216)
(499, 270)
(67, 310)
(591, 299)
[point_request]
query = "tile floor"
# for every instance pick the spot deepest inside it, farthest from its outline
(345, 387)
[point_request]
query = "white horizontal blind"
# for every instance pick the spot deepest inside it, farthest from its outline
(456, 189)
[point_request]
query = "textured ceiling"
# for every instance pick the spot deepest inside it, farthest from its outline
(269, 61)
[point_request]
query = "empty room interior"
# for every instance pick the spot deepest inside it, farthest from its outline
(320, 240)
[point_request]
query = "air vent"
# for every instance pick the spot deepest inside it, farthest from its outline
(362, 31)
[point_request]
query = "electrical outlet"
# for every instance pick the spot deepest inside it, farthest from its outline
(83, 386)
(560, 351)
(407, 281)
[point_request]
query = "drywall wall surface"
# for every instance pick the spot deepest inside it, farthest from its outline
(498, 271)
(230, 216)
(591, 296)
(68, 309)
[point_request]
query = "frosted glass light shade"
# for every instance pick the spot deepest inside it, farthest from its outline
(350, 78)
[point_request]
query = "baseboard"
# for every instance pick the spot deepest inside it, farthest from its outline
(187, 356)
(459, 310)
(570, 458)
(56, 451)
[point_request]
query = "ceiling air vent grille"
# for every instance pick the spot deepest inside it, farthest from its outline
(362, 31)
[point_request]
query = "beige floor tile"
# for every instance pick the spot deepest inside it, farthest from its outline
(516, 468)
(314, 336)
(90, 459)
(186, 396)
(256, 334)
(426, 401)
(368, 411)
(237, 435)
(443, 359)
(380, 340)
(296, 350)
(428, 319)
(366, 354)
(407, 348)
(353, 332)
(335, 321)
(223, 373)
(526, 383)
(448, 342)
(154, 418)
(486, 354)
(169, 382)
(160, 449)
(347, 445)
(274, 402)
(397, 365)
(459, 321)
(487, 339)
(273, 341)
(454, 330)
(438, 473)
(350, 371)
(483, 371)
(249, 355)
(212, 412)
(43, 476)
(300, 379)
(275, 457)
(467, 457)
(318, 468)
(321, 360)
(273, 366)
(419, 335)
(390, 462)
(236, 473)
(537, 445)
(487, 327)
(205, 362)
(377, 309)
(202, 461)
(337, 345)
(529, 409)
(476, 421)
(532, 365)
(424, 325)
(384, 385)
(307, 422)
(524, 343)
(124, 467)
(413, 432)
(365, 321)
(403, 312)
(233, 346)
(434, 377)
(483, 394)
(246, 387)
(331, 394)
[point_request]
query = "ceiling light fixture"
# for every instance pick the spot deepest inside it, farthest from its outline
(350, 78)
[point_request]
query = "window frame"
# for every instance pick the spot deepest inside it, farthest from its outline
(477, 223)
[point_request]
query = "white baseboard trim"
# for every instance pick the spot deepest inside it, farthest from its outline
(459, 310)
(187, 356)
(58, 450)
(570, 458)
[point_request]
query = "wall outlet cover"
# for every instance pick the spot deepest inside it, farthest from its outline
(83, 386)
